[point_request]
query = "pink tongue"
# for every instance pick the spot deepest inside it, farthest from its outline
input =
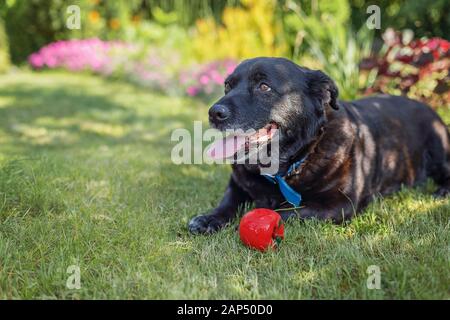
(225, 148)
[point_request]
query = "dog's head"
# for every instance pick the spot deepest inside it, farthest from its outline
(274, 93)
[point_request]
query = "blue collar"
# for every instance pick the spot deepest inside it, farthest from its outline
(291, 196)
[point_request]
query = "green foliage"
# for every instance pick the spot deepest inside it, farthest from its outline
(334, 47)
(192, 10)
(167, 35)
(425, 18)
(4, 49)
(341, 58)
(31, 24)
(322, 18)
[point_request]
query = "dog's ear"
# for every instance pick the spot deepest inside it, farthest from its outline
(323, 88)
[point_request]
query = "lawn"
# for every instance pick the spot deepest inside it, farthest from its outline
(86, 179)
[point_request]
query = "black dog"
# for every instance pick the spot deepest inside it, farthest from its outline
(353, 151)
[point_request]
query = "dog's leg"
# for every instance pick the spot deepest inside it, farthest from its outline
(219, 217)
(439, 165)
(339, 212)
(443, 181)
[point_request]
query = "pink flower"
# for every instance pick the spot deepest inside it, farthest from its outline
(204, 80)
(230, 69)
(149, 68)
(207, 79)
(36, 61)
(192, 91)
(217, 77)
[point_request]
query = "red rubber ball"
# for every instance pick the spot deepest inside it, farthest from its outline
(261, 229)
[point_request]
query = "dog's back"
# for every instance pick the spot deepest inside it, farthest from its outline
(412, 141)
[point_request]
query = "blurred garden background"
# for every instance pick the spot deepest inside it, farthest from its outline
(188, 47)
(85, 173)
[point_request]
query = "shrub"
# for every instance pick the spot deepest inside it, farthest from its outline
(332, 45)
(190, 11)
(418, 68)
(425, 18)
(31, 24)
(319, 21)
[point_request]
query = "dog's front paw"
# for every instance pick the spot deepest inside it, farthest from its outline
(206, 224)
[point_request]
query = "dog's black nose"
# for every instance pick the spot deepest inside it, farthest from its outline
(219, 113)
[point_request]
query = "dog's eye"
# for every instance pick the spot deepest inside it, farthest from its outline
(264, 87)
(227, 87)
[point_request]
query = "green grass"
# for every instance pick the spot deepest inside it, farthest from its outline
(86, 179)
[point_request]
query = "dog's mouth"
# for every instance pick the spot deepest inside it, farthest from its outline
(242, 143)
